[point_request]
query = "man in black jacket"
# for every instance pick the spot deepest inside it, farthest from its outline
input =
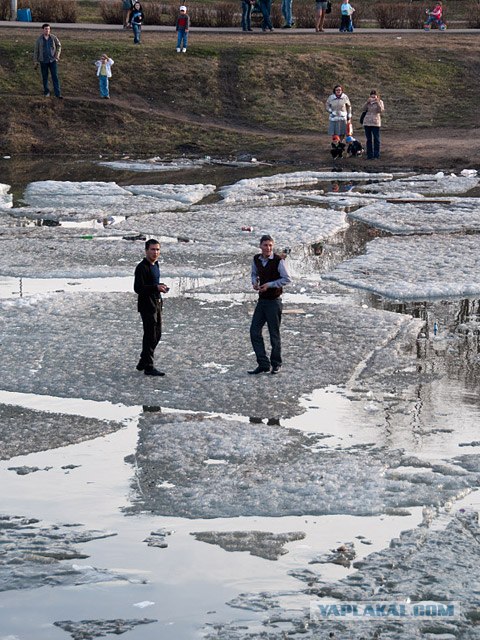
(149, 289)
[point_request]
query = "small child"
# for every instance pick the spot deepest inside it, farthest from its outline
(346, 10)
(182, 27)
(435, 16)
(355, 148)
(104, 72)
(338, 147)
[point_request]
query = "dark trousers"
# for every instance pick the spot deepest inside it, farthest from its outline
(267, 312)
(346, 23)
(265, 8)
(152, 332)
(372, 135)
(45, 67)
(246, 15)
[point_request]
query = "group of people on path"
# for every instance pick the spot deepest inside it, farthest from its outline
(340, 126)
(269, 275)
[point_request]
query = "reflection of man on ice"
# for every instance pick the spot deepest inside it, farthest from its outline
(269, 275)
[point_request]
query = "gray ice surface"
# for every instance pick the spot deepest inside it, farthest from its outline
(24, 431)
(259, 543)
(91, 629)
(415, 268)
(87, 346)
(267, 470)
(421, 217)
(424, 185)
(34, 555)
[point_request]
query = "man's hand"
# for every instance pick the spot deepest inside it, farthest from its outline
(262, 288)
(163, 288)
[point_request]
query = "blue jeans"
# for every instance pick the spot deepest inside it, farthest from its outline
(103, 81)
(287, 12)
(265, 8)
(137, 28)
(372, 134)
(267, 312)
(246, 16)
(182, 38)
(45, 66)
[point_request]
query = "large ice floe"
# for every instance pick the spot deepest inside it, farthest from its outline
(460, 215)
(415, 267)
(102, 333)
(214, 443)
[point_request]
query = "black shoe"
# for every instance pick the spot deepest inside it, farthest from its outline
(275, 369)
(154, 372)
(60, 97)
(140, 367)
(259, 369)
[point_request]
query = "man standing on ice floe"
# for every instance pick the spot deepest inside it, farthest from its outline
(149, 289)
(269, 275)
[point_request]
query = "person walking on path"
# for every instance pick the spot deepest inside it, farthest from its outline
(287, 14)
(320, 12)
(47, 53)
(136, 20)
(148, 287)
(372, 122)
(340, 112)
(127, 6)
(182, 26)
(269, 275)
(247, 6)
(104, 72)
(266, 8)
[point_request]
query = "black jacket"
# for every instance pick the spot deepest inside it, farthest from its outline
(146, 288)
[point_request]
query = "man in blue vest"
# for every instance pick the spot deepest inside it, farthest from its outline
(269, 275)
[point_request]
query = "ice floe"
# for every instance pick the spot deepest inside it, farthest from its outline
(424, 184)
(415, 268)
(421, 217)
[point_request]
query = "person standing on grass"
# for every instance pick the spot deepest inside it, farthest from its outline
(269, 275)
(136, 20)
(47, 54)
(104, 72)
(148, 287)
(182, 26)
(372, 122)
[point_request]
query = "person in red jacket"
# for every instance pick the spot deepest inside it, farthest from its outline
(435, 17)
(182, 27)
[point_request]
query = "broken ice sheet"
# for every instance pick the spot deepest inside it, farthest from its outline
(263, 544)
(106, 347)
(35, 555)
(26, 431)
(424, 185)
(184, 193)
(6, 199)
(267, 187)
(273, 471)
(421, 217)
(91, 629)
(415, 268)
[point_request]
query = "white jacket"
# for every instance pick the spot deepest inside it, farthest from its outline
(108, 67)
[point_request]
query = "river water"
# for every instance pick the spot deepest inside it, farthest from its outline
(371, 429)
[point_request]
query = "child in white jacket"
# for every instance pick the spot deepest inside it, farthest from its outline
(104, 72)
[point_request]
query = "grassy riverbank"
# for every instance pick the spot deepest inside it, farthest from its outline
(231, 93)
